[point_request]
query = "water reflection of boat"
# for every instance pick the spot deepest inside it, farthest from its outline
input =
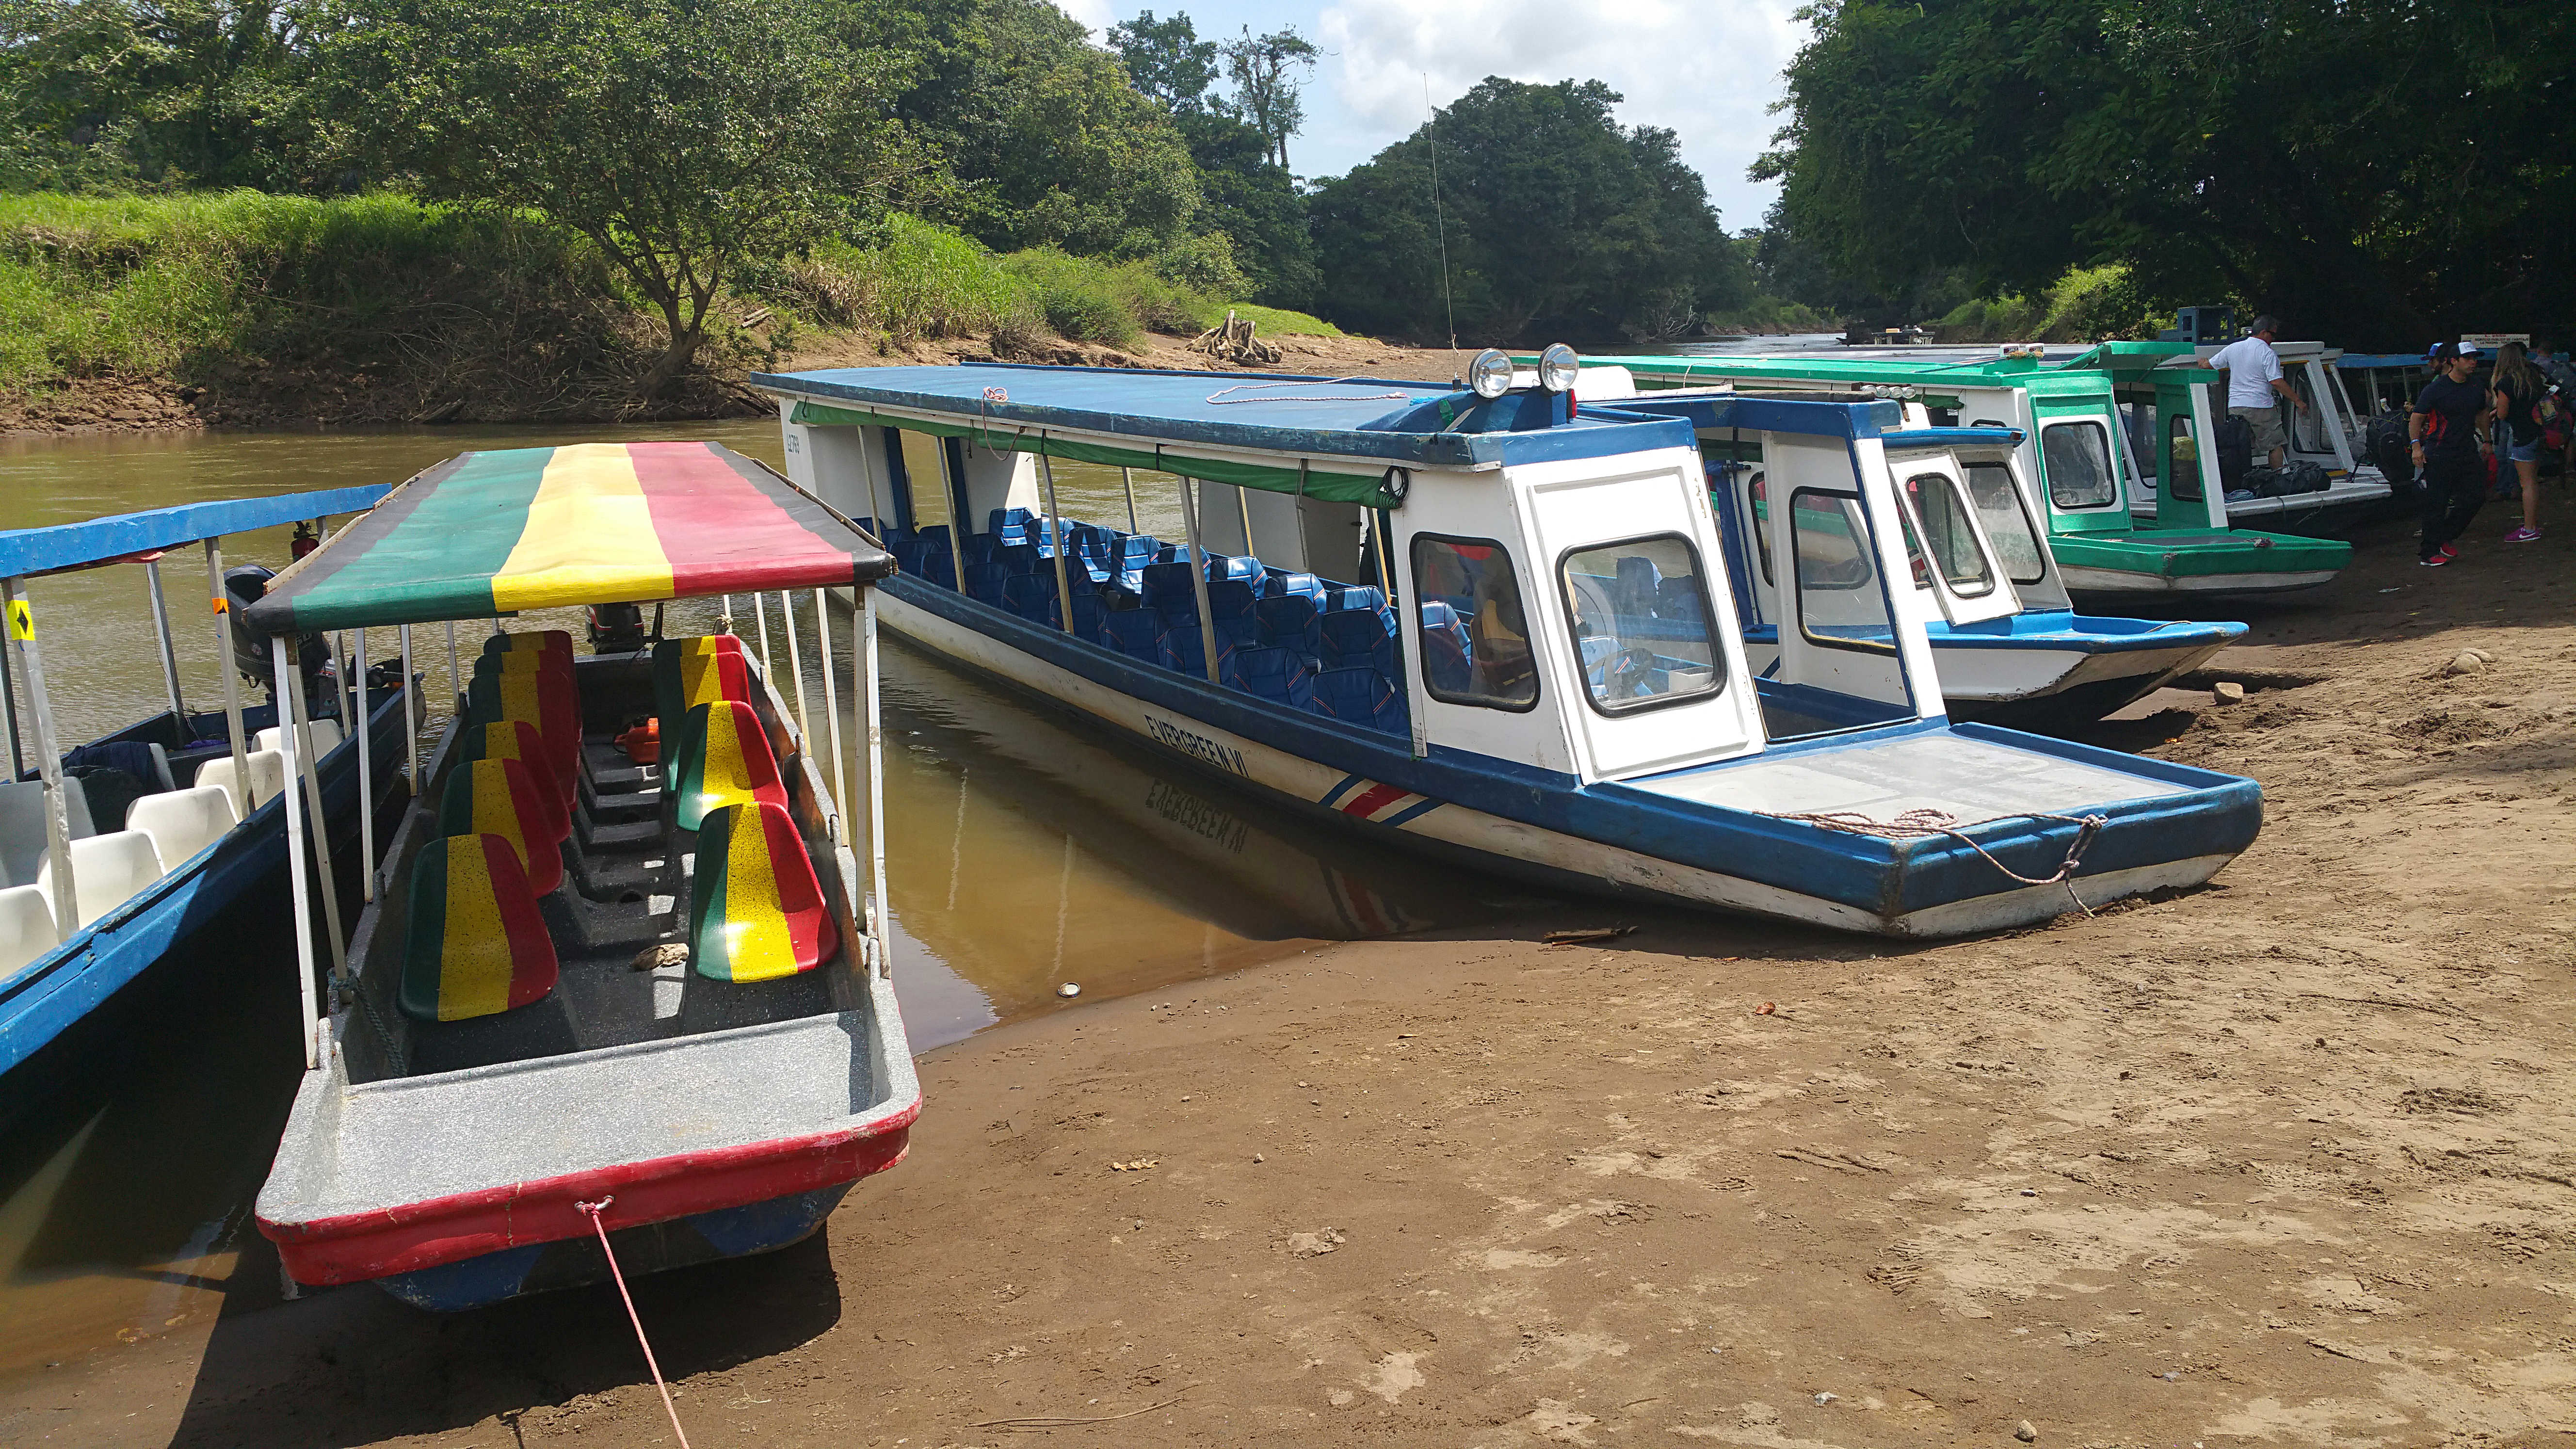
(128, 850)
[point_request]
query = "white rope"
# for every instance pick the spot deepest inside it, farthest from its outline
(1218, 398)
(1920, 824)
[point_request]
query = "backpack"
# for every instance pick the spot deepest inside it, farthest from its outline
(2389, 447)
(2235, 451)
(2552, 413)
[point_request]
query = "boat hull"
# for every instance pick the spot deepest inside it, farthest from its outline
(1219, 736)
(2042, 685)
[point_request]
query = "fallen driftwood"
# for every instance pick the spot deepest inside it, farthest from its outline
(1232, 341)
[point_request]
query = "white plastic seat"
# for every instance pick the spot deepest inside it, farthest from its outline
(161, 767)
(106, 872)
(183, 822)
(26, 928)
(23, 836)
(325, 733)
(267, 778)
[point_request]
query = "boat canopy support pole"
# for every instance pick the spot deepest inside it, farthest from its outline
(297, 740)
(867, 661)
(411, 716)
(868, 476)
(1198, 575)
(953, 490)
(455, 676)
(1127, 480)
(303, 891)
(760, 621)
(169, 655)
(1055, 531)
(795, 667)
(832, 714)
(223, 606)
(362, 719)
(49, 757)
(9, 709)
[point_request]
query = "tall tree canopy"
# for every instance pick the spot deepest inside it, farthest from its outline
(2377, 171)
(1560, 223)
(1267, 87)
(1166, 59)
(156, 92)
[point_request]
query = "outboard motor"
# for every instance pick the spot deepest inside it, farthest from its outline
(618, 628)
(245, 585)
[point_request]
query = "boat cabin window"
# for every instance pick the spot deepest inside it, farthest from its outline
(1475, 637)
(1950, 538)
(2307, 424)
(1841, 603)
(1761, 528)
(1640, 614)
(2006, 515)
(2182, 460)
(2078, 458)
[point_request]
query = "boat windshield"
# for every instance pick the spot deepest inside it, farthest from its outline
(1640, 614)
(1841, 603)
(1950, 537)
(2077, 455)
(2007, 519)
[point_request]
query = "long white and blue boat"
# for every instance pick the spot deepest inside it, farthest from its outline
(152, 841)
(1483, 623)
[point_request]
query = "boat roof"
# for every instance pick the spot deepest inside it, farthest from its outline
(491, 533)
(25, 552)
(2352, 360)
(1926, 366)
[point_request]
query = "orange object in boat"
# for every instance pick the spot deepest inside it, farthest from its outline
(643, 744)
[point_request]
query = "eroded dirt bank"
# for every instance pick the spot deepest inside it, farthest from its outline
(2289, 1160)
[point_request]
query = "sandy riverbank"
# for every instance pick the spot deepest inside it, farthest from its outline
(2288, 1160)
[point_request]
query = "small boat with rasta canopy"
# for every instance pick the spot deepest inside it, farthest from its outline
(1483, 624)
(599, 1003)
(169, 833)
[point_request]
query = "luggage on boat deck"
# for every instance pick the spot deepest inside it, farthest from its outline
(2294, 477)
(2235, 450)
(500, 798)
(516, 739)
(756, 910)
(475, 944)
(722, 758)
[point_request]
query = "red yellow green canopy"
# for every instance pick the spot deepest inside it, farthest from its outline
(484, 534)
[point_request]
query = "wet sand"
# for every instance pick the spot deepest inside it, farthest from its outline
(2287, 1160)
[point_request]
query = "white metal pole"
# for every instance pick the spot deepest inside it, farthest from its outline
(49, 756)
(954, 489)
(760, 621)
(300, 766)
(795, 667)
(295, 862)
(1198, 574)
(455, 678)
(9, 708)
(831, 708)
(880, 911)
(1243, 510)
(362, 719)
(411, 716)
(724, 619)
(223, 608)
(1055, 528)
(169, 655)
(868, 475)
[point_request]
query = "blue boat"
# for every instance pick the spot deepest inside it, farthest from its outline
(1485, 624)
(132, 848)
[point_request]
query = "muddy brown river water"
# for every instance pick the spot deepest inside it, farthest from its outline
(1023, 852)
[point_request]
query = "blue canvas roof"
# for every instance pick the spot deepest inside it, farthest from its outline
(1413, 423)
(1755, 413)
(25, 551)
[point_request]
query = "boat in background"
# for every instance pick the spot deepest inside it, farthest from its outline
(622, 989)
(127, 850)
(1483, 625)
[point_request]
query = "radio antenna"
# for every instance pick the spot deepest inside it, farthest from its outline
(1440, 217)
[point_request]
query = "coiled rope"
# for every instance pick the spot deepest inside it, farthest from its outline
(592, 1210)
(1925, 822)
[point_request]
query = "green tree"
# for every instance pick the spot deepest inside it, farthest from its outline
(1254, 202)
(2374, 170)
(1560, 223)
(162, 93)
(1166, 59)
(684, 138)
(1267, 88)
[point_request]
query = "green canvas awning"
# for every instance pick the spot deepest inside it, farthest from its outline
(1365, 489)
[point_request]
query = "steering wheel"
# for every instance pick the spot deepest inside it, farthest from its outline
(1624, 676)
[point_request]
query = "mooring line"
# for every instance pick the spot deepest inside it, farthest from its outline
(592, 1210)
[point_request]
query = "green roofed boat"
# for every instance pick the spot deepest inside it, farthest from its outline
(2120, 525)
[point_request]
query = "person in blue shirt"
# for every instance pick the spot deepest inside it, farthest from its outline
(2448, 426)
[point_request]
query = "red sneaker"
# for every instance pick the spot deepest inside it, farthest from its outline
(2447, 552)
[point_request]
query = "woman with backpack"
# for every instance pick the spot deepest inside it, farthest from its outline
(2515, 393)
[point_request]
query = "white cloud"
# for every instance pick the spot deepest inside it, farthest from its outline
(1709, 70)
(1094, 14)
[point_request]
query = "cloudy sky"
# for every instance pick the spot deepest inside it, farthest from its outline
(1709, 69)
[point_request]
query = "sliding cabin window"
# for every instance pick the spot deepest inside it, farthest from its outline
(1842, 603)
(2081, 472)
(2007, 518)
(2308, 424)
(1952, 539)
(2182, 460)
(1474, 634)
(1640, 613)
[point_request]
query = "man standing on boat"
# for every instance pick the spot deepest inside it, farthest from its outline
(2255, 387)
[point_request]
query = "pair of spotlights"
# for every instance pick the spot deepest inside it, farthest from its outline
(1490, 375)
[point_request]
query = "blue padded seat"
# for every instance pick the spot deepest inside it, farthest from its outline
(1636, 587)
(1447, 660)
(1273, 674)
(979, 548)
(1032, 597)
(1136, 633)
(1354, 596)
(936, 566)
(1090, 613)
(1359, 696)
(1230, 604)
(1288, 585)
(1679, 599)
(1010, 525)
(1291, 621)
(1353, 637)
(1167, 580)
(1016, 558)
(1188, 653)
(984, 581)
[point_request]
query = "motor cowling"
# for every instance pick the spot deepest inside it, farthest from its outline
(245, 585)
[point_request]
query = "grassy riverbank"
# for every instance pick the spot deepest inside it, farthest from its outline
(242, 307)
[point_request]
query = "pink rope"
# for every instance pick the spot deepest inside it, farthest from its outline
(593, 1210)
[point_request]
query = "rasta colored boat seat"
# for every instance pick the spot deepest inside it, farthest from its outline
(551, 641)
(497, 797)
(540, 698)
(756, 910)
(475, 944)
(722, 758)
(671, 672)
(516, 739)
